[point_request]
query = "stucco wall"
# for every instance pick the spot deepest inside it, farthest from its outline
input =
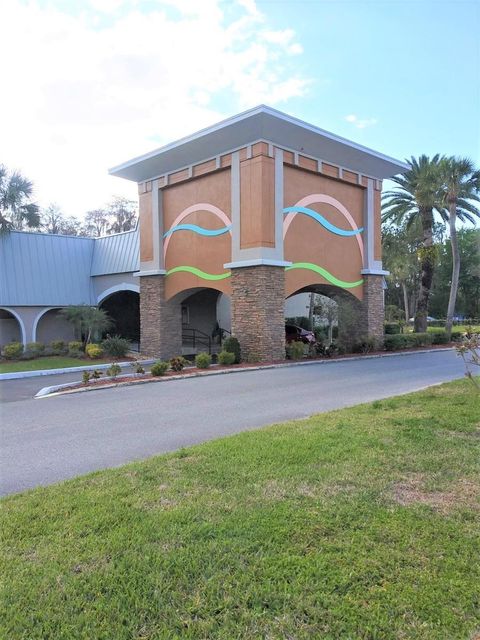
(9, 331)
(103, 285)
(52, 326)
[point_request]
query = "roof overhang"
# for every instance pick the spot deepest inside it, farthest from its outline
(260, 123)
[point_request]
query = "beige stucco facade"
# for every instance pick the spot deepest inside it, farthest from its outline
(301, 220)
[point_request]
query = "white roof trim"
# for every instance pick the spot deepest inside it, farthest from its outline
(121, 170)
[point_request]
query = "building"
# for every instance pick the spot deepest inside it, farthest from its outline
(233, 220)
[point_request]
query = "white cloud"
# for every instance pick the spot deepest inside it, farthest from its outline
(359, 122)
(112, 81)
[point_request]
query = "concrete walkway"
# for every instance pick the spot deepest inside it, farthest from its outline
(44, 441)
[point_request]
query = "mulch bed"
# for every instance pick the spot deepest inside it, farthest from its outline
(195, 371)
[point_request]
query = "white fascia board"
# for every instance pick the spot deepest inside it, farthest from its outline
(262, 122)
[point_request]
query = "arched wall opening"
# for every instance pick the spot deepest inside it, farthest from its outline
(11, 327)
(123, 308)
(334, 313)
(205, 319)
(51, 325)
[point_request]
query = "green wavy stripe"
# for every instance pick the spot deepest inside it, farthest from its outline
(199, 273)
(326, 274)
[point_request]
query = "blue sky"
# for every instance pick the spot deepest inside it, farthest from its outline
(99, 81)
(411, 65)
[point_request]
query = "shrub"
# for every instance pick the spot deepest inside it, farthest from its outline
(93, 351)
(75, 349)
(159, 368)
(138, 367)
(295, 350)
(365, 344)
(178, 363)
(396, 342)
(86, 375)
(457, 336)
(203, 360)
(116, 346)
(321, 333)
(408, 341)
(392, 328)
(75, 353)
(420, 339)
(232, 345)
(57, 346)
(96, 374)
(439, 337)
(12, 350)
(113, 370)
(469, 350)
(36, 348)
(226, 358)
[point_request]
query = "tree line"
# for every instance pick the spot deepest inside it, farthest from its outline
(19, 213)
(429, 198)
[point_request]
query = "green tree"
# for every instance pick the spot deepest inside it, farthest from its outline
(400, 257)
(417, 197)
(461, 192)
(468, 297)
(96, 222)
(16, 208)
(54, 221)
(122, 214)
(87, 321)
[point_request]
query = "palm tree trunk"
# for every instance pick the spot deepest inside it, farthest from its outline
(311, 311)
(427, 265)
(405, 302)
(455, 269)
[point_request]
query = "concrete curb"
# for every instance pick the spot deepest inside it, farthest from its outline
(50, 372)
(56, 390)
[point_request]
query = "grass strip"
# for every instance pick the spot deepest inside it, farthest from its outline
(359, 523)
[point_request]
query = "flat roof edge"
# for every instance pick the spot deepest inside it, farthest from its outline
(118, 170)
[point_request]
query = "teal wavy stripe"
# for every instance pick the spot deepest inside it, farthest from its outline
(199, 273)
(196, 229)
(326, 274)
(323, 221)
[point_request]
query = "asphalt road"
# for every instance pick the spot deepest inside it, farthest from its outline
(47, 440)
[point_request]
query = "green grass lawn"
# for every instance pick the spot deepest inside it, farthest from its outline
(48, 362)
(360, 523)
(461, 328)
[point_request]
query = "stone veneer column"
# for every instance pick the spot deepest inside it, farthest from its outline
(258, 298)
(373, 306)
(160, 320)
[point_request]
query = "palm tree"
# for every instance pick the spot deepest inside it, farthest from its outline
(87, 321)
(15, 208)
(460, 190)
(417, 197)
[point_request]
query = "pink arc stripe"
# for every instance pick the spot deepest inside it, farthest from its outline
(314, 198)
(199, 206)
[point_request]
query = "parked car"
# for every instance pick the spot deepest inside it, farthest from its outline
(293, 333)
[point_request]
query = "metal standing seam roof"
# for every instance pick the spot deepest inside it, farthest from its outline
(39, 269)
(118, 253)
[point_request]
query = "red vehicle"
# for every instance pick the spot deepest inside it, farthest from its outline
(294, 333)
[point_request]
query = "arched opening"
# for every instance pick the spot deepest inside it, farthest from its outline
(11, 327)
(332, 312)
(206, 319)
(123, 307)
(51, 325)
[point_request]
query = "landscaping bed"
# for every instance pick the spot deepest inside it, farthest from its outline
(191, 371)
(359, 523)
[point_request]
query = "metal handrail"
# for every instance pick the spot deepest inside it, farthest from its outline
(196, 337)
